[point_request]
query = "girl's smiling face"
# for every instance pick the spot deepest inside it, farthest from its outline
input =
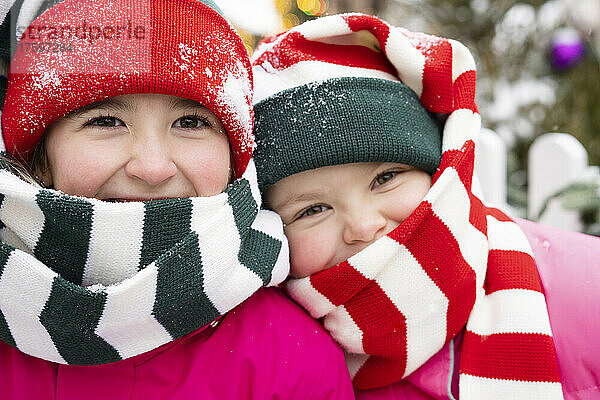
(332, 213)
(138, 147)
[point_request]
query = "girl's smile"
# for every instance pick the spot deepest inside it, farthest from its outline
(138, 147)
(333, 212)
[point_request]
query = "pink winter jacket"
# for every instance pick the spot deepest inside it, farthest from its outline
(266, 348)
(569, 266)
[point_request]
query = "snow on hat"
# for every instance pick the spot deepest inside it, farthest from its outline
(332, 91)
(77, 53)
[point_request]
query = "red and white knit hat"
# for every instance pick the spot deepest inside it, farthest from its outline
(77, 53)
(454, 265)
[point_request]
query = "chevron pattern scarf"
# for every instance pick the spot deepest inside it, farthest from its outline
(83, 281)
(454, 264)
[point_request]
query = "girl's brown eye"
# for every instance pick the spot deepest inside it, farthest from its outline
(105, 122)
(312, 210)
(385, 177)
(191, 122)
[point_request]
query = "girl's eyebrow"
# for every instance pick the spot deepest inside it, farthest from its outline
(110, 103)
(297, 198)
(179, 102)
(120, 105)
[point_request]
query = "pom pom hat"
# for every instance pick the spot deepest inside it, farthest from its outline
(77, 53)
(328, 95)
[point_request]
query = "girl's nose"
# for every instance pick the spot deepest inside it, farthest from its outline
(151, 162)
(364, 226)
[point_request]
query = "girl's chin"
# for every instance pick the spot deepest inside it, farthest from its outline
(303, 273)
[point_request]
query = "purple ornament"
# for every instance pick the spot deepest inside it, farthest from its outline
(566, 49)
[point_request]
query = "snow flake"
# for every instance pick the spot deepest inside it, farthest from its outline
(45, 79)
(185, 54)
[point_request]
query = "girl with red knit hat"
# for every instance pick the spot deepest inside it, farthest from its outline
(135, 261)
(366, 138)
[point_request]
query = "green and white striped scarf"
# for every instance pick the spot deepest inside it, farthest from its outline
(84, 281)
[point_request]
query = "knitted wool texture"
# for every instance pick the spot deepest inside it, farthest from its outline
(90, 51)
(84, 281)
(339, 121)
(321, 103)
(454, 264)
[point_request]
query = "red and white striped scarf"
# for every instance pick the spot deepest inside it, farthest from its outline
(454, 264)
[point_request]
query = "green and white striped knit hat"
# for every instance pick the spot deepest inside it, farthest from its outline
(327, 96)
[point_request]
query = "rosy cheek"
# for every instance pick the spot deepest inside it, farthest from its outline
(81, 175)
(207, 168)
(310, 251)
(414, 197)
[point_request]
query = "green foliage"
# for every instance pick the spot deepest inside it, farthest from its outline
(583, 197)
(578, 102)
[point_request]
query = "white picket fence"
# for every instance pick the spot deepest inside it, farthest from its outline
(555, 160)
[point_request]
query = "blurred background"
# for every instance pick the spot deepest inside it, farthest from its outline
(538, 71)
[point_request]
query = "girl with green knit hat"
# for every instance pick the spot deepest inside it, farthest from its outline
(366, 139)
